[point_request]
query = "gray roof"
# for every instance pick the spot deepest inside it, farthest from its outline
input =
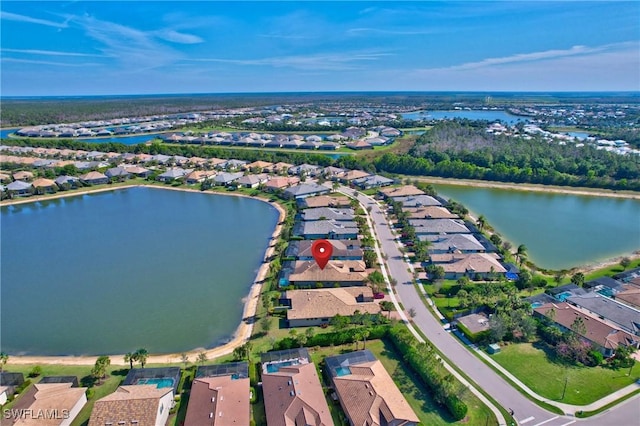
(175, 173)
(605, 282)
(117, 171)
(328, 213)
(306, 189)
(252, 179)
(65, 179)
(18, 185)
(234, 164)
(439, 226)
(325, 227)
(375, 180)
(417, 201)
(307, 168)
(624, 316)
(227, 177)
(464, 242)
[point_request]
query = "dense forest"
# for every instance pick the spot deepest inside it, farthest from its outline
(464, 149)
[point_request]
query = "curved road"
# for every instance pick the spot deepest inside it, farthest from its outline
(525, 411)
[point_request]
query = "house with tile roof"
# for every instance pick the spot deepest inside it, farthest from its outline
(605, 337)
(23, 176)
(292, 391)
(307, 274)
(94, 178)
(220, 396)
(351, 175)
(472, 265)
(44, 186)
(327, 229)
(454, 243)
(367, 392)
(281, 182)
(417, 201)
(61, 401)
(314, 307)
(609, 310)
(324, 201)
(402, 191)
(141, 405)
(429, 212)
(252, 181)
(439, 226)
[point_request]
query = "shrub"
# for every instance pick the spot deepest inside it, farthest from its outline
(90, 393)
(35, 371)
(23, 386)
(254, 395)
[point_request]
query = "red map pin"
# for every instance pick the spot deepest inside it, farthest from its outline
(321, 251)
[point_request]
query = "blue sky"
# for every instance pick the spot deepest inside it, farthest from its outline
(107, 47)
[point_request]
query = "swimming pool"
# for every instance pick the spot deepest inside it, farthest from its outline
(343, 371)
(274, 367)
(160, 383)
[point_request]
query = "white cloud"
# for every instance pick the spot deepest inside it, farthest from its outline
(37, 62)
(176, 37)
(50, 52)
(23, 18)
(365, 31)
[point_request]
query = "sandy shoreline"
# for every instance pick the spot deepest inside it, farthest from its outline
(240, 336)
(595, 192)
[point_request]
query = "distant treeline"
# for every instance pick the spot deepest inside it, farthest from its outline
(450, 149)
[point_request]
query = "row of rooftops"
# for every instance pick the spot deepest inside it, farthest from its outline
(220, 394)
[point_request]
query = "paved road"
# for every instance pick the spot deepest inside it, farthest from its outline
(525, 411)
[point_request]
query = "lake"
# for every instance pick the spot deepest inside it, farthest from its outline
(110, 272)
(560, 230)
(503, 116)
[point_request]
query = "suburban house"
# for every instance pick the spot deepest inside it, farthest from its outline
(359, 145)
(307, 274)
(605, 337)
(19, 188)
(313, 307)
(304, 169)
(375, 181)
(258, 166)
(220, 395)
(324, 201)
(62, 401)
(351, 175)
(331, 172)
(225, 179)
(252, 181)
(429, 212)
(327, 229)
(439, 226)
(455, 243)
(175, 173)
(367, 392)
(138, 171)
(118, 172)
(281, 182)
(94, 178)
(8, 384)
(141, 405)
(292, 391)
(23, 176)
(402, 191)
(629, 295)
(328, 213)
(281, 167)
(342, 250)
(472, 265)
(233, 165)
(306, 190)
(44, 186)
(199, 176)
(609, 310)
(417, 201)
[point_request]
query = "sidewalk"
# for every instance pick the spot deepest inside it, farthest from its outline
(566, 408)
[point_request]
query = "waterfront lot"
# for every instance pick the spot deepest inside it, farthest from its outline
(537, 369)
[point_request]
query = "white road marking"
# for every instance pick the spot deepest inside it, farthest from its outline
(571, 422)
(547, 421)
(527, 420)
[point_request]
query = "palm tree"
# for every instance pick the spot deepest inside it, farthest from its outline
(142, 355)
(521, 252)
(481, 222)
(364, 334)
(202, 358)
(130, 358)
(4, 358)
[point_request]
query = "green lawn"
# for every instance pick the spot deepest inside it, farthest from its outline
(547, 378)
(417, 395)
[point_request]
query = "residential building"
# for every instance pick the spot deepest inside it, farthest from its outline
(138, 171)
(220, 396)
(629, 295)
(342, 250)
(352, 175)
(94, 178)
(141, 405)
(417, 201)
(402, 191)
(225, 179)
(472, 265)
(281, 182)
(308, 274)
(44, 186)
(604, 336)
(328, 213)
(24, 176)
(314, 307)
(304, 169)
(306, 190)
(439, 226)
(62, 401)
(327, 229)
(19, 188)
(324, 201)
(259, 166)
(374, 181)
(454, 243)
(292, 391)
(175, 173)
(118, 172)
(366, 391)
(609, 310)
(429, 212)
(199, 176)
(252, 181)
